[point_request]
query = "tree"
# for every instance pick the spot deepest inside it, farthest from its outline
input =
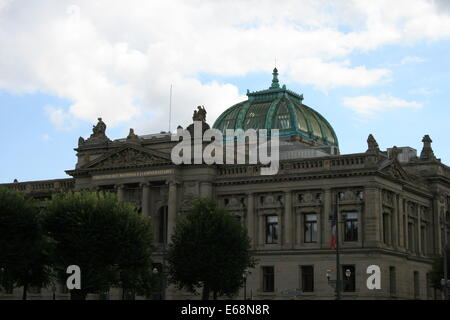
(209, 249)
(437, 272)
(24, 250)
(105, 237)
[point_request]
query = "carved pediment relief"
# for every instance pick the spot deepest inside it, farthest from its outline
(395, 170)
(128, 156)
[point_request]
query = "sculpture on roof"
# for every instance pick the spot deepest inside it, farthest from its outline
(98, 135)
(199, 114)
(372, 144)
(427, 152)
(100, 128)
(132, 137)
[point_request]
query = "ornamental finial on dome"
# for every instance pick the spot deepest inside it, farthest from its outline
(275, 82)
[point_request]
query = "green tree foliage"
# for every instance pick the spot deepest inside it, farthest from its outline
(105, 237)
(24, 250)
(209, 249)
(437, 272)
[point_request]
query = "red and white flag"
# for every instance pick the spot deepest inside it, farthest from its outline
(333, 232)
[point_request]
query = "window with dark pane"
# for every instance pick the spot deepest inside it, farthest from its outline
(350, 281)
(350, 226)
(162, 217)
(310, 225)
(268, 279)
(271, 229)
(307, 278)
(392, 281)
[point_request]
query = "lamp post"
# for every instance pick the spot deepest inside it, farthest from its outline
(54, 291)
(162, 282)
(338, 283)
(338, 265)
(244, 275)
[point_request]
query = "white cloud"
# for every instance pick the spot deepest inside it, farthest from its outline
(118, 59)
(424, 91)
(326, 75)
(410, 59)
(59, 118)
(46, 137)
(369, 106)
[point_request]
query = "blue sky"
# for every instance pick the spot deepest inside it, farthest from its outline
(368, 69)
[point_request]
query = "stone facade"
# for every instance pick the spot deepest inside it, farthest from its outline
(396, 207)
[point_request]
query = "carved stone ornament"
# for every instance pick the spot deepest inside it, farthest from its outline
(98, 135)
(128, 157)
(372, 145)
(132, 137)
(199, 114)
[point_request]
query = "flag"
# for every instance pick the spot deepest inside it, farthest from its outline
(333, 231)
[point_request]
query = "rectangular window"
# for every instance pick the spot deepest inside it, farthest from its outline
(271, 229)
(410, 236)
(348, 275)
(310, 223)
(268, 279)
(350, 226)
(307, 278)
(416, 285)
(386, 228)
(423, 242)
(429, 286)
(392, 281)
(163, 218)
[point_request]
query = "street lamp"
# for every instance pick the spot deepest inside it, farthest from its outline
(162, 282)
(54, 291)
(244, 275)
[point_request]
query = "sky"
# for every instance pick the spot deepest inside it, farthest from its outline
(378, 67)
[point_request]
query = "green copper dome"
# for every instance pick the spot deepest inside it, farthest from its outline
(279, 108)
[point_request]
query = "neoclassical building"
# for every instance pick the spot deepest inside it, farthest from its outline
(390, 203)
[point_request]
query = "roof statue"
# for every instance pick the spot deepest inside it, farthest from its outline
(132, 137)
(427, 152)
(394, 153)
(372, 144)
(98, 135)
(199, 114)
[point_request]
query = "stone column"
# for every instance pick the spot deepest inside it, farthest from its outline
(437, 226)
(287, 220)
(261, 230)
(394, 223)
(145, 198)
(419, 230)
(373, 219)
(401, 228)
(172, 209)
(120, 192)
(251, 219)
(325, 224)
(407, 243)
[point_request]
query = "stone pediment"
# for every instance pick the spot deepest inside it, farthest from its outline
(394, 169)
(129, 156)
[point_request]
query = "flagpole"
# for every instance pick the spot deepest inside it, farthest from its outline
(338, 267)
